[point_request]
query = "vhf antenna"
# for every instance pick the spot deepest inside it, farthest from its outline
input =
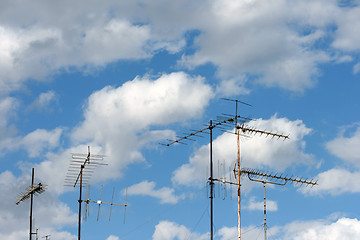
(99, 202)
(277, 179)
(33, 189)
(222, 122)
(75, 176)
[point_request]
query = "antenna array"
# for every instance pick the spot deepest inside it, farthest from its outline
(75, 176)
(30, 192)
(274, 178)
(82, 165)
(87, 201)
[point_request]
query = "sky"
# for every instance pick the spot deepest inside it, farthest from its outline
(123, 76)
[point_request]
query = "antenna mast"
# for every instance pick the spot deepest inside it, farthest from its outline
(74, 176)
(30, 192)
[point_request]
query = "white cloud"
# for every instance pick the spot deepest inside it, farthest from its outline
(253, 205)
(343, 228)
(166, 230)
(112, 237)
(44, 100)
(258, 38)
(345, 147)
(8, 106)
(356, 69)
(35, 142)
(49, 213)
(335, 181)
(146, 188)
(347, 37)
(118, 118)
(256, 151)
(275, 41)
(39, 140)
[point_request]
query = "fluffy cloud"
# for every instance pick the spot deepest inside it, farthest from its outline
(256, 151)
(253, 205)
(274, 41)
(257, 38)
(346, 148)
(335, 181)
(166, 230)
(343, 228)
(50, 214)
(146, 188)
(118, 118)
(35, 142)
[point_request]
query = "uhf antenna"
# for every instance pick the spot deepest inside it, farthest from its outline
(277, 179)
(99, 202)
(226, 122)
(33, 189)
(79, 172)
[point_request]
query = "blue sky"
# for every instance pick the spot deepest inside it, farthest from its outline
(122, 77)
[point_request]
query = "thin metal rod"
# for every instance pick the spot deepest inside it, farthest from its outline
(211, 182)
(264, 212)
(31, 202)
(79, 227)
(238, 182)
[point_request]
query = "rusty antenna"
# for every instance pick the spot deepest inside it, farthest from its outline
(79, 173)
(33, 189)
(99, 202)
(225, 121)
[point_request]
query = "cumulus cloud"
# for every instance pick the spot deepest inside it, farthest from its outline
(146, 188)
(117, 124)
(273, 41)
(335, 181)
(255, 38)
(256, 151)
(343, 228)
(49, 212)
(35, 142)
(118, 118)
(259, 205)
(346, 147)
(166, 230)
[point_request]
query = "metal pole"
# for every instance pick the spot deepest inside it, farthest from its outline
(238, 176)
(79, 228)
(211, 186)
(31, 202)
(264, 212)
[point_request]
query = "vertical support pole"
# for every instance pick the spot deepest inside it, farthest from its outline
(265, 237)
(211, 187)
(79, 227)
(238, 182)
(31, 202)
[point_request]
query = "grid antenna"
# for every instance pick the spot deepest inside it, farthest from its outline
(79, 173)
(33, 189)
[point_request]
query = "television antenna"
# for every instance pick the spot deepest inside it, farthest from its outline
(87, 201)
(33, 189)
(79, 173)
(222, 121)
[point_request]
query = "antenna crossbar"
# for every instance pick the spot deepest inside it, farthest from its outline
(249, 130)
(260, 176)
(211, 126)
